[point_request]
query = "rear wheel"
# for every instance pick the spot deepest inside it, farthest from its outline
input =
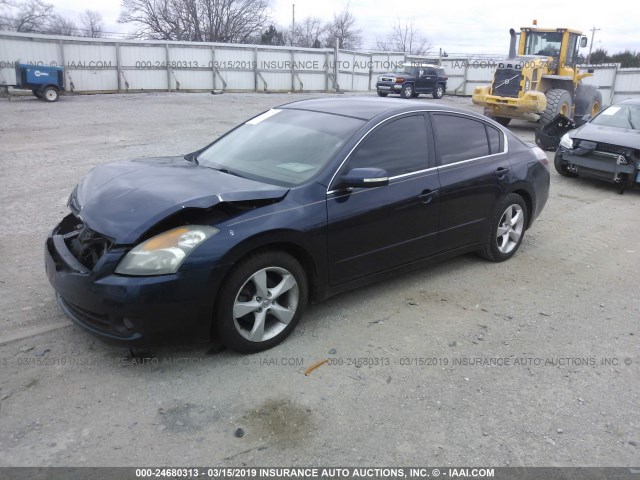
(261, 301)
(507, 229)
(50, 94)
(438, 92)
(558, 102)
(561, 167)
(382, 94)
(588, 100)
(407, 91)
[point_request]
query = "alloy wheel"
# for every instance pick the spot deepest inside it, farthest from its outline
(265, 304)
(510, 228)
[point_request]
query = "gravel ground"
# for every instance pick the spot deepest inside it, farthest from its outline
(410, 379)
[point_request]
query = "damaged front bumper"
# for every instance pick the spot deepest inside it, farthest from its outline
(129, 310)
(612, 167)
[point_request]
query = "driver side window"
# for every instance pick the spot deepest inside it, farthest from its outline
(398, 146)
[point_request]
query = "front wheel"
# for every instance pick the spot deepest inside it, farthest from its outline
(558, 102)
(407, 91)
(261, 301)
(50, 94)
(507, 229)
(438, 92)
(562, 168)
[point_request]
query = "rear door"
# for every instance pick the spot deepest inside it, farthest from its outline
(421, 80)
(374, 229)
(430, 79)
(474, 173)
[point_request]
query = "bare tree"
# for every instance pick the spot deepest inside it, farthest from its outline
(406, 38)
(91, 22)
(58, 25)
(5, 20)
(32, 16)
(344, 28)
(35, 16)
(308, 33)
(196, 20)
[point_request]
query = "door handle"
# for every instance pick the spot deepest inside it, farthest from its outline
(501, 172)
(427, 195)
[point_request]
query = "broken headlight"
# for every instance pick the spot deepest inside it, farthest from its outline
(566, 141)
(165, 252)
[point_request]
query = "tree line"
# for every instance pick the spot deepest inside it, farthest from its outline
(37, 16)
(224, 21)
(626, 59)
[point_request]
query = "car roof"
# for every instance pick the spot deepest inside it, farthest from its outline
(366, 108)
(628, 101)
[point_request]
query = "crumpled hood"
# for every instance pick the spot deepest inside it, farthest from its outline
(123, 200)
(614, 136)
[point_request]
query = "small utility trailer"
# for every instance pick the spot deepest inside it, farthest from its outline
(46, 83)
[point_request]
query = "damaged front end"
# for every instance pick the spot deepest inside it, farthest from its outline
(613, 163)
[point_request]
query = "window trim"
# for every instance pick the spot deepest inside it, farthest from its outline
(420, 114)
(505, 146)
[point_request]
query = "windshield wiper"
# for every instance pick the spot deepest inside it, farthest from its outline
(229, 172)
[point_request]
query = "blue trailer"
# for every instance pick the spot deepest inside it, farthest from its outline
(46, 83)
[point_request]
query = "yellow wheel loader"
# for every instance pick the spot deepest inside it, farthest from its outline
(540, 82)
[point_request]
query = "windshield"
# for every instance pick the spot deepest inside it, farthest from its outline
(620, 116)
(282, 147)
(541, 43)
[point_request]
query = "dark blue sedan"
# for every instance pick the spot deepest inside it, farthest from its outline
(297, 204)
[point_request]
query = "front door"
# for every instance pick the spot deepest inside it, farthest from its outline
(374, 229)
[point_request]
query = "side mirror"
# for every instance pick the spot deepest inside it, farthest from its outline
(365, 178)
(583, 42)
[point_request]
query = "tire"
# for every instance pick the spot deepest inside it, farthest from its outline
(588, 101)
(510, 218)
(50, 94)
(438, 91)
(249, 298)
(561, 168)
(558, 101)
(36, 93)
(407, 91)
(504, 121)
(415, 94)
(382, 94)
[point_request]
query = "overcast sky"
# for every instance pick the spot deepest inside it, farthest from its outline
(459, 26)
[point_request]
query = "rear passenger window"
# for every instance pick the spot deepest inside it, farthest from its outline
(459, 138)
(431, 71)
(399, 146)
(494, 139)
